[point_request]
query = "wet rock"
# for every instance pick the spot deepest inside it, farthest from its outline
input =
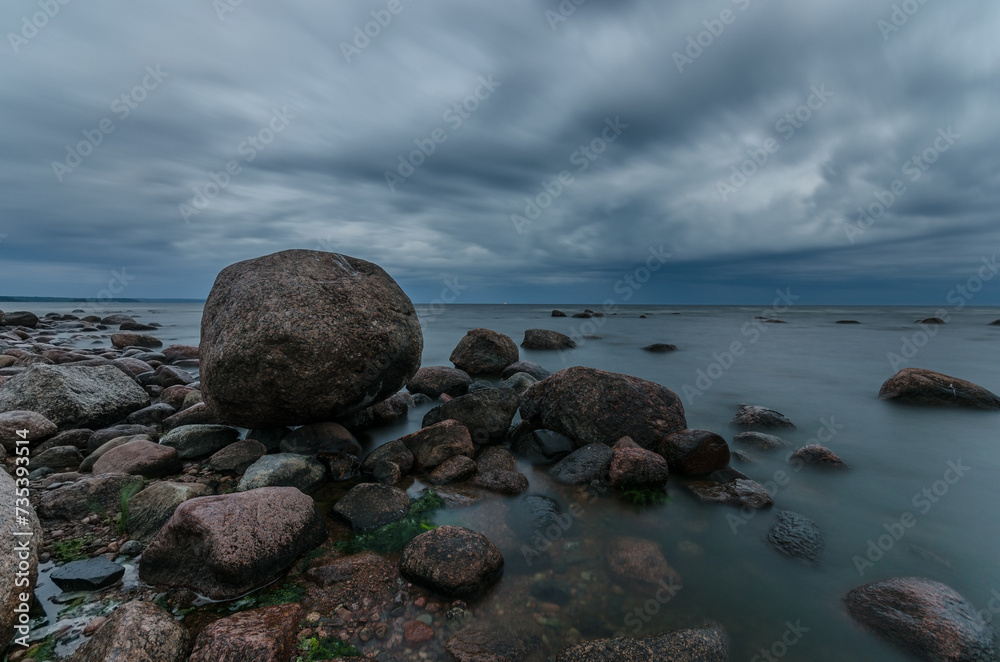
(175, 395)
(89, 461)
(434, 444)
(237, 456)
(392, 409)
(694, 452)
(697, 645)
(197, 441)
(543, 339)
(57, 458)
(487, 414)
(496, 458)
(583, 465)
(926, 618)
(87, 575)
(492, 642)
(484, 352)
(759, 440)
(370, 506)
(518, 382)
(639, 564)
(534, 513)
(283, 470)
(224, 546)
(102, 437)
(131, 366)
(796, 535)
(741, 493)
(542, 447)
(635, 466)
(591, 406)
(274, 325)
(753, 417)
(926, 387)
(395, 452)
(417, 633)
(528, 367)
(12, 556)
(76, 437)
(501, 482)
(151, 508)
(137, 632)
(116, 319)
(151, 415)
(660, 348)
(341, 466)
(452, 470)
(558, 313)
(453, 561)
(320, 438)
(141, 458)
(847, 322)
(270, 437)
(931, 320)
(71, 396)
(98, 494)
(39, 428)
(816, 455)
(435, 380)
(267, 634)
(199, 414)
(131, 548)
(181, 352)
(167, 376)
(387, 473)
(129, 339)
(19, 318)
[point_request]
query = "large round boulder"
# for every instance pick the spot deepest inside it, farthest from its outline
(137, 631)
(694, 452)
(225, 546)
(594, 406)
(302, 337)
(927, 387)
(453, 561)
(484, 352)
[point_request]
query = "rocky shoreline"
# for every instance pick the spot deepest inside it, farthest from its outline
(187, 490)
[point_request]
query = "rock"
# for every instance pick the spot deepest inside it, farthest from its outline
(128, 339)
(694, 452)
(387, 473)
(224, 546)
(931, 320)
(639, 564)
(760, 440)
(392, 409)
(847, 322)
(927, 387)
(89, 461)
(394, 451)
(136, 326)
(71, 396)
(435, 380)
(320, 439)
(131, 366)
(528, 367)
(102, 437)
(455, 469)
(142, 458)
(197, 441)
(501, 482)
(817, 455)
(151, 415)
(582, 316)
(660, 348)
(274, 325)
(237, 456)
(697, 645)
(167, 376)
(558, 313)
(484, 352)
(19, 318)
(341, 466)
(370, 506)
(518, 382)
(58, 458)
(994, 323)
(76, 437)
(181, 352)
(199, 414)
(542, 447)
(496, 458)
(436, 443)
(417, 633)
(87, 575)
(176, 395)
(926, 618)
(487, 414)
(583, 465)
(151, 508)
(533, 513)
(742, 493)
(116, 319)
(484, 641)
(592, 406)
(453, 561)
(632, 466)
(39, 428)
(267, 634)
(270, 437)
(99, 494)
(131, 548)
(752, 417)
(137, 631)
(545, 340)
(12, 556)
(283, 470)
(796, 535)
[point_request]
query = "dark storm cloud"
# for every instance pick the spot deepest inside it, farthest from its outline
(309, 117)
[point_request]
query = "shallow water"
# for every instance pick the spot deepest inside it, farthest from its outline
(821, 375)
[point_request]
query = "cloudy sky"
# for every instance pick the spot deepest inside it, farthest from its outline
(564, 146)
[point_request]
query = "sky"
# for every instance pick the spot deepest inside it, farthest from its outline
(525, 151)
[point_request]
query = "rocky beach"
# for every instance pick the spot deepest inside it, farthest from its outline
(304, 485)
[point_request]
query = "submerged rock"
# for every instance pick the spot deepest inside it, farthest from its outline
(660, 348)
(274, 325)
(817, 455)
(697, 645)
(927, 387)
(796, 535)
(542, 447)
(760, 440)
(741, 493)
(583, 465)
(753, 417)
(484, 352)
(639, 564)
(543, 339)
(453, 561)
(694, 452)
(492, 642)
